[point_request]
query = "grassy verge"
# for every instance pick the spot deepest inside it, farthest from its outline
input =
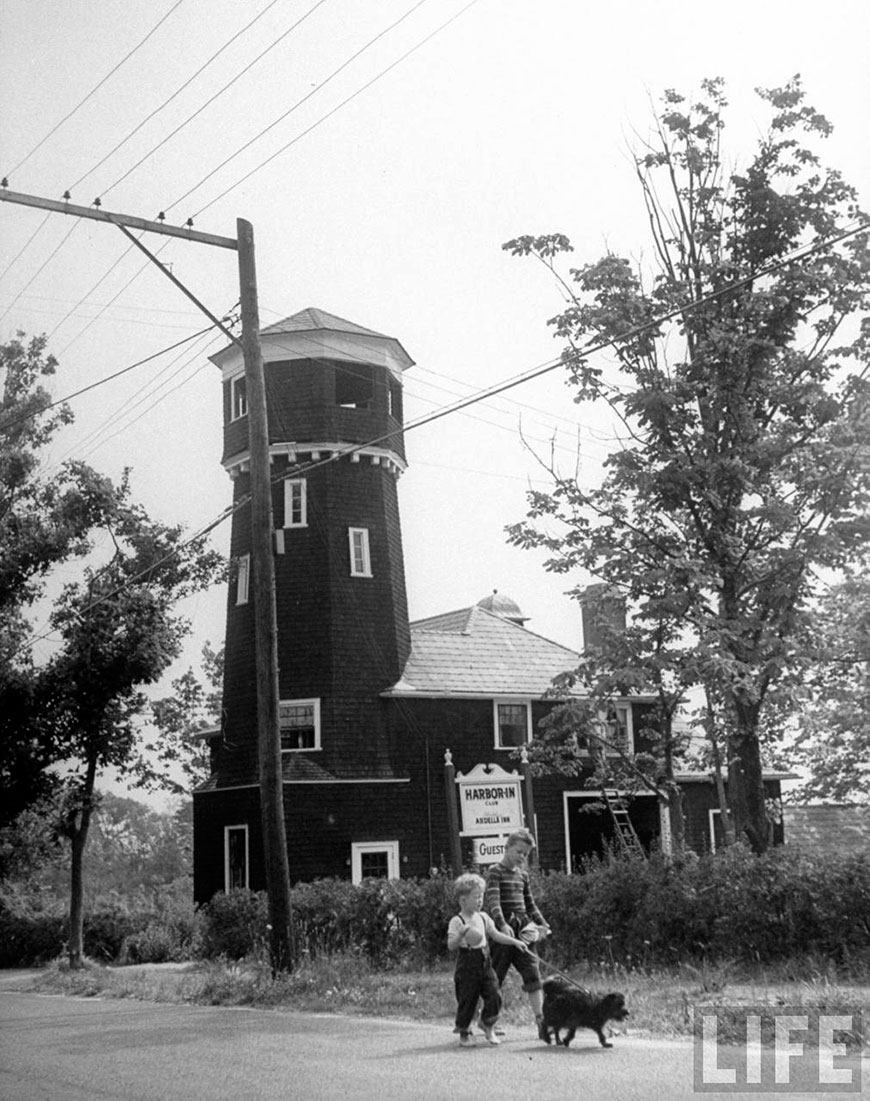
(661, 1002)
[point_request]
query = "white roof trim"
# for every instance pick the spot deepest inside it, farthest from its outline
(336, 449)
(379, 351)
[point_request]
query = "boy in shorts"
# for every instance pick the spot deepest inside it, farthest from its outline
(509, 901)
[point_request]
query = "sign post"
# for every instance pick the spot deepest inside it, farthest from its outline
(452, 816)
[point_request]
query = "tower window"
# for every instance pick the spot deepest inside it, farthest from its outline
(360, 559)
(243, 579)
(394, 400)
(299, 721)
(295, 503)
(354, 387)
(238, 397)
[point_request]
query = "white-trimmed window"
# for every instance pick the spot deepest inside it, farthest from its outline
(299, 721)
(622, 734)
(617, 731)
(243, 579)
(374, 860)
(238, 397)
(513, 723)
(235, 858)
(717, 830)
(295, 503)
(360, 558)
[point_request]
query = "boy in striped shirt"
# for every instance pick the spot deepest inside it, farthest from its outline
(509, 902)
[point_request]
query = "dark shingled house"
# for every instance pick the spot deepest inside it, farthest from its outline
(370, 703)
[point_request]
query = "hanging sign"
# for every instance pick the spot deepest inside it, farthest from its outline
(487, 850)
(490, 801)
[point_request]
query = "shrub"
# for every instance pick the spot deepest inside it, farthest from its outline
(732, 906)
(323, 916)
(729, 906)
(234, 924)
(31, 931)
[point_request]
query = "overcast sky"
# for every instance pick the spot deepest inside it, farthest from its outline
(515, 117)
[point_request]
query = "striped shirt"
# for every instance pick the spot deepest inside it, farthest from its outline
(508, 898)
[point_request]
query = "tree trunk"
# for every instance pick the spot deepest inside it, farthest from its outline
(677, 818)
(676, 814)
(745, 784)
(746, 790)
(79, 838)
(716, 755)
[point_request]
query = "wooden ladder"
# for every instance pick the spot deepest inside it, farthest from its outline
(625, 833)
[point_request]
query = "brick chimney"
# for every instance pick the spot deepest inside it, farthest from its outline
(602, 608)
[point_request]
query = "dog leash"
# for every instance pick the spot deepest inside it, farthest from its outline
(556, 971)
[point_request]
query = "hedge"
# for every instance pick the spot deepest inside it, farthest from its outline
(732, 906)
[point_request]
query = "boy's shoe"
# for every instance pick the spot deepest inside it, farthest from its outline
(491, 1035)
(466, 1039)
(498, 1031)
(543, 1031)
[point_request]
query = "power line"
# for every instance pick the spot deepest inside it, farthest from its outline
(95, 89)
(24, 248)
(334, 110)
(42, 267)
(211, 100)
(102, 309)
(174, 95)
(297, 104)
(147, 155)
(88, 293)
(589, 349)
(100, 440)
(101, 382)
(107, 305)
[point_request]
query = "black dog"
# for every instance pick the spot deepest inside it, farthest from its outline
(570, 1007)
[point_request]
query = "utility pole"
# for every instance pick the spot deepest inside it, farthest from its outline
(263, 564)
(265, 617)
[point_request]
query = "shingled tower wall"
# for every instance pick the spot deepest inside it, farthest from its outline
(334, 401)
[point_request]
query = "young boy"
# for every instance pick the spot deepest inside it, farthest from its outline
(469, 932)
(509, 902)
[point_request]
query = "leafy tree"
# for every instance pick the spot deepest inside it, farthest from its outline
(120, 632)
(131, 848)
(194, 706)
(42, 522)
(833, 740)
(740, 385)
(636, 660)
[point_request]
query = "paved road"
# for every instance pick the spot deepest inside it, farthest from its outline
(72, 1049)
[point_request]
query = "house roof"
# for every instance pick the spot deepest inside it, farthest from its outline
(473, 652)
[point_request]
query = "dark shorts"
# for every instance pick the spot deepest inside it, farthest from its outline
(505, 955)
